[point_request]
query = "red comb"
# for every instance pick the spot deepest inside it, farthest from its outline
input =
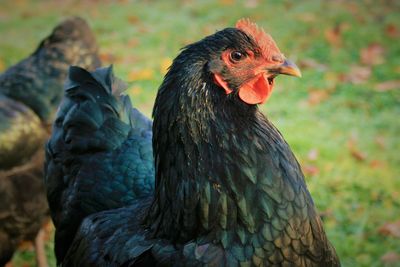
(264, 40)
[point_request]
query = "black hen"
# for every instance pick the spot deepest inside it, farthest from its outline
(30, 92)
(99, 156)
(229, 191)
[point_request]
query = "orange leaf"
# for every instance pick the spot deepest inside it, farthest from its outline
(310, 170)
(358, 155)
(226, 2)
(107, 57)
(373, 54)
(164, 65)
(376, 164)
(333, 35)
(392, 31)
(354, 151)
(144, 74)
(2, 65)
(390, 229)
(133, 19)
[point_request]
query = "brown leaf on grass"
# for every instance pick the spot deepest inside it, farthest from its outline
(251, 3)
(107, 57)
(226, 2)
(313, 154)
(334, 35)
(132, 19)
(354, 151)
(390, 229)
(392, 31)
(373, 54)
(357, 75)
(2, 65)
(357, 154)
(376, 164)
(310, 170)
(387, 86)
(309, 63)
(316, 96)
(390, 258)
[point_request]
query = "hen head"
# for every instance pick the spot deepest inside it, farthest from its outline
(250, 65)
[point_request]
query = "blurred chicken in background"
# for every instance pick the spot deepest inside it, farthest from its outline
(30, 92)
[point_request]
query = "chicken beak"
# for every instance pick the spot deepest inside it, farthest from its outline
(287, 68)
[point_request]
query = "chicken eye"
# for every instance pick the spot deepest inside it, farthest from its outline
(236, 56)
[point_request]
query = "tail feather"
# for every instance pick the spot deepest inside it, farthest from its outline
(94, 117)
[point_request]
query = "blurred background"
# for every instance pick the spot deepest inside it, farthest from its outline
(342, 119)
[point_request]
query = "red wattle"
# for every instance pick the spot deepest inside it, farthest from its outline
(255, 91)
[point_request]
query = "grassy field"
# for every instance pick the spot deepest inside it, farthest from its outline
(342, 119)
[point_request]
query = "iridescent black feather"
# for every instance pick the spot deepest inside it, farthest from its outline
(99, 156)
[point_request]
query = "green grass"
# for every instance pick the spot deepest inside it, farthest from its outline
(356, 196)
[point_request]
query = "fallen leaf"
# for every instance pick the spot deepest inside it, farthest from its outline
(133, 19)
(251, 3)
(376, 164)
(310, 170)
(357, 74)
(392, 31)
(358, 155)
(388, 86)
(373, 54)
(317, 96)
(107, 57)
(226, 2)
(334, 35)
(313, 154)
(165, 64)
(354, 151)
(2, 65)
(390, 229)
(390, 257)
(140, 75)
(309, 63)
